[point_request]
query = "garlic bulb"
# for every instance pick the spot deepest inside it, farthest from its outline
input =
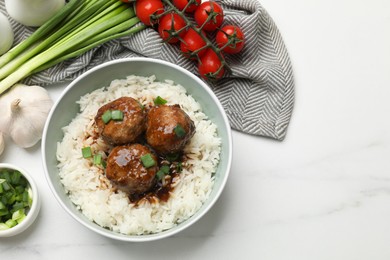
(7, 35)
(33, 12)
(2, 143)
(24, 113)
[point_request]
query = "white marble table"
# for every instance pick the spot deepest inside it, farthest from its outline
(322, 193)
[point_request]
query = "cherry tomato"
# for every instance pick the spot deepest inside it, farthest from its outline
(209, 64)
(180, 4)
(205, 10)
(230, 34)
(144, 9)
(192, 41)
(169, 26)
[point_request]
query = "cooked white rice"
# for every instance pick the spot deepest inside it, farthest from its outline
(93, 194)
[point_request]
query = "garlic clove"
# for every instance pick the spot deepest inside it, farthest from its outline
(2, 143)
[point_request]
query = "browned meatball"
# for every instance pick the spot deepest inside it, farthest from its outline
(126, 130)
(126, 170)
(168, 129)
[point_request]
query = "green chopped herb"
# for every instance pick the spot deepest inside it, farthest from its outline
(147, 160)
(11, 223)
(3, 226)
(97, 159)
(107, 116)
(164, 170)
(172, 157)
(160, 175)
(140, 104)
(179, 131)
(2, 206)
(179, 167)
(18, 214)
(87, 152)
(159, 101)
(15, 200)
(117, 115)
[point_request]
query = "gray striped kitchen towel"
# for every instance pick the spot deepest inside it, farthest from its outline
(257, 95)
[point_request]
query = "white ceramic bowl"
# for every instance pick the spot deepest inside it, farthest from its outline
(66, 109)
(35, 207)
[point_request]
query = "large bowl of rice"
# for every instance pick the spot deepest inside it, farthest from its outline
(82, 189)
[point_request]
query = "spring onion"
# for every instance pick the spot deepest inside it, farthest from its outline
(159, 101)
(179, 167)
(15, 198)
(97, 159)
(164, 170)
(147, 160)
(78, 27)
(86, 152)
(106, 117)
(172, 157)
(179, 131)
(117, 115)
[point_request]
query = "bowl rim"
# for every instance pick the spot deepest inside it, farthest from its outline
(175, 229)
(35, 207)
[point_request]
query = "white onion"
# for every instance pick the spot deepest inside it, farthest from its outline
(7, 35)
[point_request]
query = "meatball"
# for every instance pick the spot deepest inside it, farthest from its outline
(127, 130)
(168, 129)
(126, 170)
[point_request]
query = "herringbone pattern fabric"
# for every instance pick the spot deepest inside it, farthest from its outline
(258, 94)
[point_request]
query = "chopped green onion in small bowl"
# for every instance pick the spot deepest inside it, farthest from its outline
(19, 200)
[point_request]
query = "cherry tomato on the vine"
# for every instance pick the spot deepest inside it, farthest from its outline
(230, 34)
(209, 64)
(191, 43)
(205, 10)
(169, 27)
(180, 4)
(145, 9)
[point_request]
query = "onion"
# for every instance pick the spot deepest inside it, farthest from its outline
(33, 12)
(7, 35)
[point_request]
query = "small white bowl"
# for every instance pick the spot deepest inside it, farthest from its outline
(35, 207)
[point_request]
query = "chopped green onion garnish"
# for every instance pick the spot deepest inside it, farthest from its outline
(140, 104)
(18, 214)
(179, 167)
(104, 164)
(179, 131)
(11, 223)
(97, 159)
(3, 226)
(160, 174)
(15, 200)
(159, 101)
(15, 177)
(172, 157)
(117, 115)
(87, 152)
(107, 116)
(147, 160)
(164, 170)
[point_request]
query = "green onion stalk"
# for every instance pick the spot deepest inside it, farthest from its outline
(78, 27)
